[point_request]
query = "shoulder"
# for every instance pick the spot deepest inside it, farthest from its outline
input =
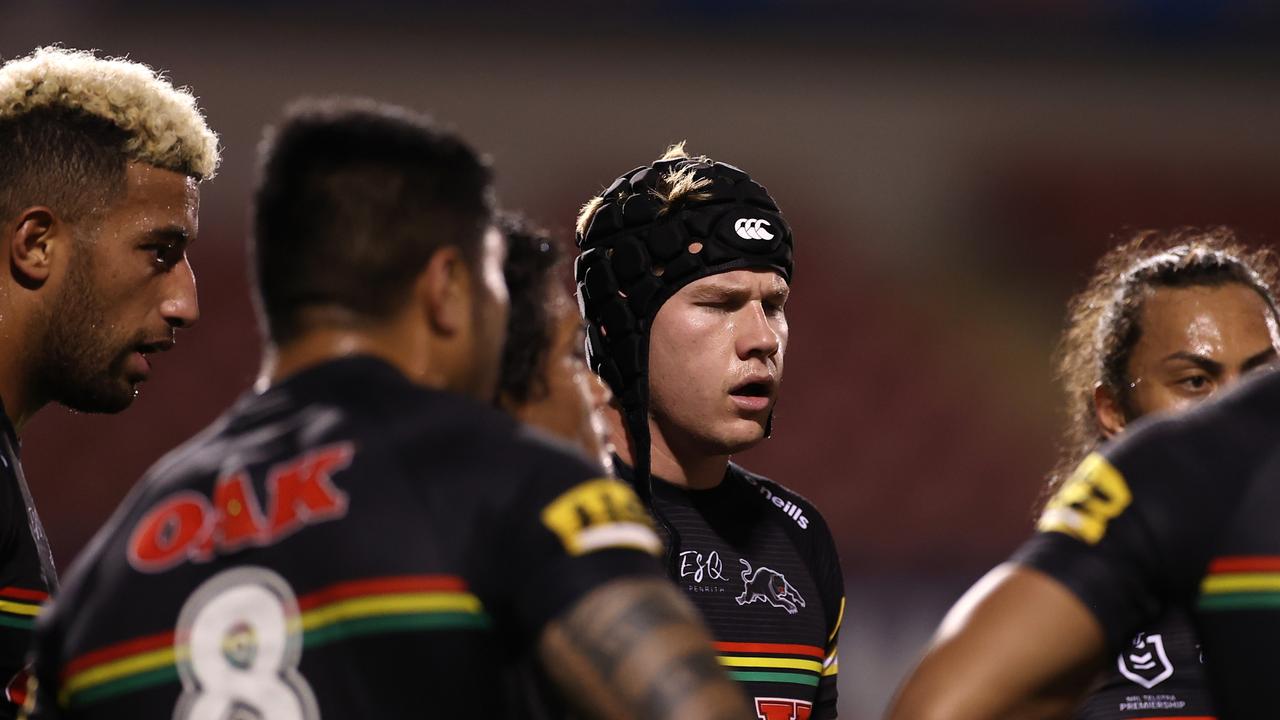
(790, 505)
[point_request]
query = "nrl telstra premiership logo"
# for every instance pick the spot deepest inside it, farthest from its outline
(1146, 664)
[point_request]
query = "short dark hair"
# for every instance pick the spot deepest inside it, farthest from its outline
(1103, 323)
(532, 260)
(354, 198)
(65, 158)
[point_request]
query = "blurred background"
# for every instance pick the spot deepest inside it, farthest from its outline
(951, 169)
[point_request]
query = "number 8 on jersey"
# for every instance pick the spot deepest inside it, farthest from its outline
(239, 640)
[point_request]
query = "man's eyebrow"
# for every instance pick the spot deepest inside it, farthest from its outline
(175, 234)
(1259, 359)
(719, 290)
(1210, 366)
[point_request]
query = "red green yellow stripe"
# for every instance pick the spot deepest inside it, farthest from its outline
(770, 649)
(1242, 582)
(19, 607)
(337, 612)
(771, 662)
(17, 593)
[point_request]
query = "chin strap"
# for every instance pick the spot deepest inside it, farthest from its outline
(637, 420)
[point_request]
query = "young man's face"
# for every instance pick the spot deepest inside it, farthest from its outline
(127, 288)
(715, 360)
(1196, 341)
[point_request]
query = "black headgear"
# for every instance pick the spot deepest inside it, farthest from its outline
(638, 252)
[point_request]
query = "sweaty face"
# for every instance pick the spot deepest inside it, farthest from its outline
(126, 290)
(489, 317)
(572, 406)
(715, 361)
(1196, 341)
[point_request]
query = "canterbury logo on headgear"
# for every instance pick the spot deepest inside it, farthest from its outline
(752, 229)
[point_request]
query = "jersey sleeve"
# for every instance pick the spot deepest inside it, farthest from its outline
(569, 531)
(1134, 527)
(831, 581)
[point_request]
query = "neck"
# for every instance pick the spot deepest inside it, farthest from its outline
(686, 467)
(20, 404)
(18, 386)
(404, 347)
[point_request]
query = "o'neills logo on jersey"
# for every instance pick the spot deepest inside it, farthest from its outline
(792, 510)
(187, 525)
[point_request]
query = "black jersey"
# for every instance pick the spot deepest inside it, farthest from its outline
(23, 581)
(760, 563)
(346, 544)
(1182, 513)
(1158, 674)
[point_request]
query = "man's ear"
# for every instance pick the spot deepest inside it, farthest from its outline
(31, 239)
(444, 291)
(1108, 410)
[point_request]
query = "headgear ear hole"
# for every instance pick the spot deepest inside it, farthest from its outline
(695, 248)
(658, 270)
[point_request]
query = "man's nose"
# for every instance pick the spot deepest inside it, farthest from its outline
(756, 335)
(180, 307)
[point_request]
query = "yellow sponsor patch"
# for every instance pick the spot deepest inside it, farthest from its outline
(600, 514)
(1094, 494)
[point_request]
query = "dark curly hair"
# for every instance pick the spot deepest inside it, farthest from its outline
(532, 260)
(1102, 321)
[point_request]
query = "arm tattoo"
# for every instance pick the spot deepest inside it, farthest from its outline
(637, 649)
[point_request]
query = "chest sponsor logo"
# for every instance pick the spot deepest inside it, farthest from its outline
(189, 525)
(1146, 664)
(771, 586)
(782, 709)
(699, 567)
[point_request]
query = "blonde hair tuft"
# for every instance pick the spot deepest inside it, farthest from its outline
(165, 127)
(679, 185)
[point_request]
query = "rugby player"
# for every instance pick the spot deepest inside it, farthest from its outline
(1152, 535)
(683, 276)
(1168, 319)
(364, 536)
(545, 380)
(100, 166)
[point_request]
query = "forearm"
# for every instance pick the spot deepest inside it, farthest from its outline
(637, 649)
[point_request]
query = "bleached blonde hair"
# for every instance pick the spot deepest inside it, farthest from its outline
(681, 184)
(165, 128)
